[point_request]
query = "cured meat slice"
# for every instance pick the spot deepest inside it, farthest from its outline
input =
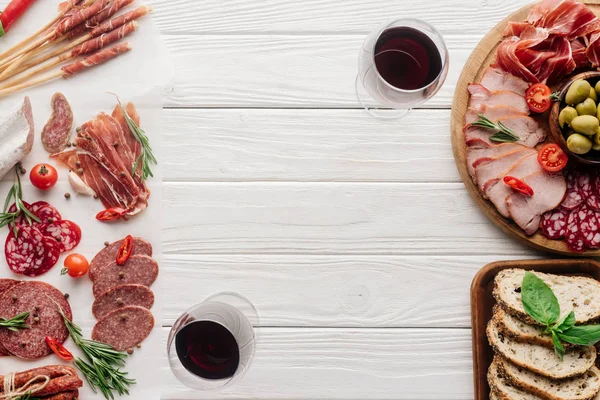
(68, 158)
(493, 113)
(45, 212)
(498, 167)
(574, 237)
(481, 96)
(554, 224)
(53, 250)
(57, 130)
(549, 191)
(588, 223)
(20, 220)
(108, 255)
(138, 270)
(479, 156)
(122, 296)
(5, 284)
(528, 129)
(66, 233)
(579, 52)
(97, 58)
(124, 328)
(495, 78)
(584, 185)
(573, 198)
(39, 299)
(16, 135)
(568, 18)
(25, 254)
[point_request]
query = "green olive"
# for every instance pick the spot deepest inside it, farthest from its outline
(595, 147)
(593, 94)
(587, 107)
(586, 124)
(579, 144)
(596, 138)
(598, 87)
(578, 92)
(566, 116)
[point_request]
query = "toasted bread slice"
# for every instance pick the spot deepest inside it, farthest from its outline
(515, 329)
(539, 359)
(582, 387)
(503, 389)
(574, 293)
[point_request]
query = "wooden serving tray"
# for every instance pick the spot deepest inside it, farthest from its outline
(482, 303)
(484, 55)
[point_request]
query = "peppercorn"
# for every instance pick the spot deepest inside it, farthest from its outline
(78, 164)
(66, 295)
(116, 144)
(122, 173)
(139, 345)
(121, 275)
(95, 196)
(78, 129)
(106, 244)
(14, 298)
(123, 317)
(67, 195)
(120, 301)
(80, 171)
(36, 319)
(23, 171)
(130, 351)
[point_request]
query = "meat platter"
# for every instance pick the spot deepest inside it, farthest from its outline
(116, 231)
(511, 203)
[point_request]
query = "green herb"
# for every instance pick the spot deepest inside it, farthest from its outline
(15, 323)
(555, 96)
(146, 157)
(100, 366)
(504, 134)
(26, 396)
(541, 304)
(15, 194)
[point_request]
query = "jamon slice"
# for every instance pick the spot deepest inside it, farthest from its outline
(496, 168)
(528, 129)
(478, 156)
(495, 78)
(68, 158)
(497, 191)
(481, 96)
(493, 113)
(548, 190)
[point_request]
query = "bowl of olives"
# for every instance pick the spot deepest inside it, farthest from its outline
(575, 119)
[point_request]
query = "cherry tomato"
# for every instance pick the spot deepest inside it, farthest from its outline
(518, 185)
(76, 266)
(538, 97)
(43, 176)
(552, 158)
(110, 214)
(58, 349)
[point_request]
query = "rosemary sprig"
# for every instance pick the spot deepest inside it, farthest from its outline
(555, 96)
(504, 134)
(26, 396)
(15, 323)
(16, 193)
(100, 368)
(146, 157)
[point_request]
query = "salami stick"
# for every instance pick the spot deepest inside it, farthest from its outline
(67, 71)
(51, 371)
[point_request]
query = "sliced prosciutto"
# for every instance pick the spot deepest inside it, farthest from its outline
(529, 131)
(479, 156)
(495, 78)
(492, 113)
(549, 191)
(482, 96)
(486, 173)
(568, 18)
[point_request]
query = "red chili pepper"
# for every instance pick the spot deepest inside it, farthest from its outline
(12, 13)
(59, 349)
(111, 214)
(518, 185)
(125, 250)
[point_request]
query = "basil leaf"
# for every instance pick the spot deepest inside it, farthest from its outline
(583, 335)
(567, 323)
(539, 301)
(559, 349)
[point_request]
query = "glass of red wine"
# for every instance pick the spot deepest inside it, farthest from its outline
(401, 65)
(212, 344)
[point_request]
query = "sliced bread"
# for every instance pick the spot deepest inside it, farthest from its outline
(583, 387)
(514, 328)
(494, 396)
(503, 389)
(574, 293)
(539, 359)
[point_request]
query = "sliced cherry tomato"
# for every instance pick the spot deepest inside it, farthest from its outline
(111, 214)
(76, 266)
(125, 250)
(538, 97)
(518, 185)
(43, 176)
(552, 158)
(58, 349)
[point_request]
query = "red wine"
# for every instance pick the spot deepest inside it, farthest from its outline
(208, 349)
(407, 58)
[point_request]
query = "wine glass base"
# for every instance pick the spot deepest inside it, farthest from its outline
(377, 112)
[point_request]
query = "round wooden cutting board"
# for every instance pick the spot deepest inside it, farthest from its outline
(484, 55)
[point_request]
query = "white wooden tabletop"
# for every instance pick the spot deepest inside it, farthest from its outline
(353, 237)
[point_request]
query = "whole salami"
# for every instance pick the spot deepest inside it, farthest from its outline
(57, 130)
(124, 328)
(554, 224)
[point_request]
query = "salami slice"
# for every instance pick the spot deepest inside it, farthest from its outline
(20, 220)
(108, 255)
(554, 224)
(138, 270)
(66, 233)
(45, 212)
(124, 328)
(39, 299)
(53, 250)
(572, 198)
(25, 253)
(574, 237)
(122, 296)
(589, 228)
(584, 185)
(6, 284)
(57, 130)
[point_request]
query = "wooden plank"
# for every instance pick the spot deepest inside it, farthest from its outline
(296, 363)
(325, 16)
(328, 218)
(330, 291)
(281, 71)
(306, 145)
